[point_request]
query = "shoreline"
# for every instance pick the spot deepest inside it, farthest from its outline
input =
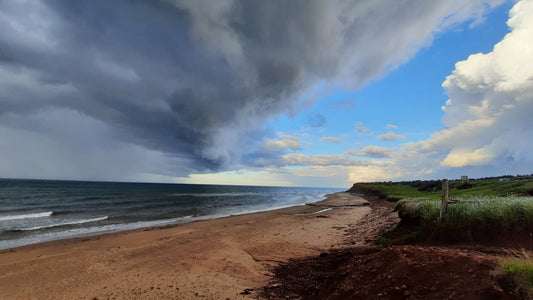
(170, 224)
(217, 258)
(126, 227)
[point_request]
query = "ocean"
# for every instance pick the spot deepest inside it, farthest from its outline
(33, 211)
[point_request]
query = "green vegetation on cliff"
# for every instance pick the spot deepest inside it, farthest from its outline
(504, 212)
(432, 189)
(484, 208)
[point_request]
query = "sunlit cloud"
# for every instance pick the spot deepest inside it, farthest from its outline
(284, 142)
(391, 136)
(371, 173)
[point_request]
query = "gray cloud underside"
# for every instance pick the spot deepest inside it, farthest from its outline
(390, 136)
(372, 152)
(188, 83)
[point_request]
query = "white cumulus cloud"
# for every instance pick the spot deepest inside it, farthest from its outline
(496, 90)
(488, 125)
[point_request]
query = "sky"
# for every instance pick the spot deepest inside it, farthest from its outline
(299, 93)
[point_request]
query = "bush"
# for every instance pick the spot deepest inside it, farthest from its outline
(516, 273)
(368, 190)
(417, 209)
(464, 186)
(383, 242)
(411, 237)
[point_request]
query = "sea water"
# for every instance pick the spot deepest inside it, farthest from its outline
(33, 211)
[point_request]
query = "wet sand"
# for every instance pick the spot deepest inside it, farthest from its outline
(215, 259)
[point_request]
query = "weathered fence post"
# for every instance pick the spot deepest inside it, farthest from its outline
(444, 201)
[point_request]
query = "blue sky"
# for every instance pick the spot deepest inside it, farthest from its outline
(311, 93)
(409, 97)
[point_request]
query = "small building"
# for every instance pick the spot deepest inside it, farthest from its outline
(464, 179)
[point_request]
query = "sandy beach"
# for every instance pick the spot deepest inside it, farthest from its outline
(227, 258)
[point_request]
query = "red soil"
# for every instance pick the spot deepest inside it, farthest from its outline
(398, 272)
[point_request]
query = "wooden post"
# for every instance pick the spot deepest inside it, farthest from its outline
(444, 201)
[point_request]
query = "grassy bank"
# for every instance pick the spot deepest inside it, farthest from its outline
(431, 189)
(487, 211)
(491, 203)
(503, 212)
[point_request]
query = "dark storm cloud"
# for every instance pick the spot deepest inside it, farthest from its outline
(193, 80)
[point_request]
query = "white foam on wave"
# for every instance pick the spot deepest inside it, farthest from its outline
(284, 202)
(26, 216)
(63, 224)
(96, 230)
(216, 194)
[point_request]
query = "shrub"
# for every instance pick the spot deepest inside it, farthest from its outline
(368, 190)
(516, 272)
(417, 209)
(464, 186)
(411, 237)
(383, 242)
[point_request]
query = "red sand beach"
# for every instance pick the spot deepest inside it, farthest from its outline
(215, 259)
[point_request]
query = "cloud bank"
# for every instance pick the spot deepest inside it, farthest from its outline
(494, 91)
(127, 89)
(488, 125)
(371, 152)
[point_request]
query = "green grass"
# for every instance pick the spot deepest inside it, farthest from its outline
(432, 189)
(493, 188)
(508, 211)
(405, 191)
(418, 208)
(484, 205)
(517, 268)
(392, 192)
